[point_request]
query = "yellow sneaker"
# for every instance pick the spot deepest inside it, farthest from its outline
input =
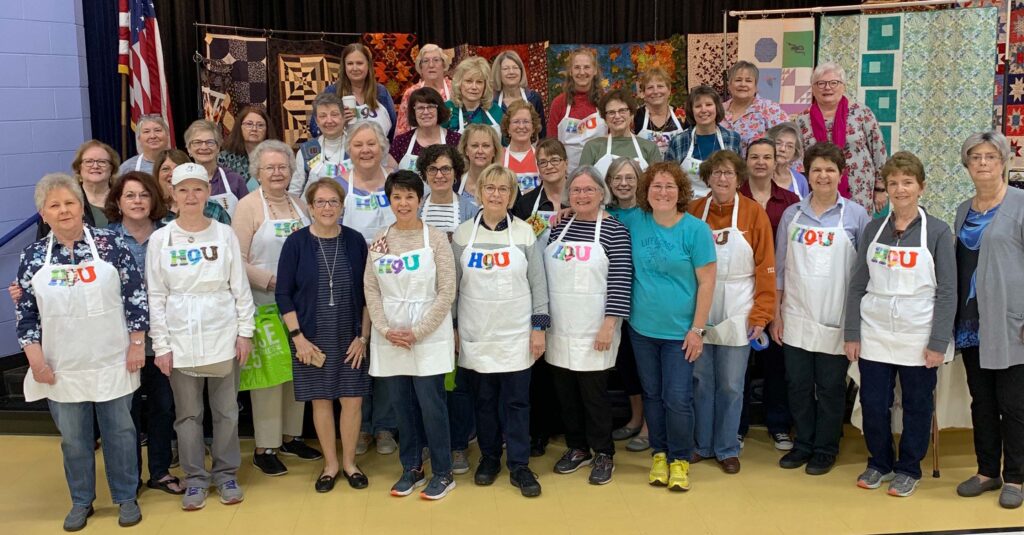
(659, 470)
(679, 476)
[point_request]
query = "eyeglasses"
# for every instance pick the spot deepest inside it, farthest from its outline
(521, 122)
(424, 108)
(588, 191)
(987, 157)
(664, 187)
(430, 61)
(621, 111)
(320, 203)
(786, 146)
(254, 125)
(623, 179)
(275, 169)
(720, 174)
(95, 163)
(208, 143)
(132, 197)
(831, 84)
(443, 170)
(491, 189)
(554, 161)
(510, 68)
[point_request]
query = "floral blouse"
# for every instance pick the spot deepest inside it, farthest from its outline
(865, 150)
(761, 115)
(238, 163)
(111, 248)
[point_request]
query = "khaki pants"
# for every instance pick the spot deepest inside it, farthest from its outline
(188, 423)
(274, 413)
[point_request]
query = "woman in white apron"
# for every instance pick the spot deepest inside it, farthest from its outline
(502, 313)
(163, 169)
(201, 314)
(541, 205)
(203, 140)
(743, 305)
(356, 79)
(151, 137)
(574, 117)
(702, 137)
(441, 207)
(410, 286)
(656, 120)
(617, 108)
(815, 251)
(82, 318)
(789, 155)
(323, 156)
(521, 126)
(262, 223)
(472, 99)
(432, 65)
(366, 205)
(899, 323)
(589, 269)
(509, 80)
(481, 146)
(426, 113)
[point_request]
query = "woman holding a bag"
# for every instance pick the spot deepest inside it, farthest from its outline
(319, 290)
(262, 222)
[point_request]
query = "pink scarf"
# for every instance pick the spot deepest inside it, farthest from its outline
(838, 135)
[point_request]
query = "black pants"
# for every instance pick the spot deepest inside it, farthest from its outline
(625, 364)
(770, 364)
(586, 411)
(997, 413)
(158, 418)
(817, 398)
(511, 392)
(545, 416)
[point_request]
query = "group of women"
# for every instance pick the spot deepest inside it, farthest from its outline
(431, 284)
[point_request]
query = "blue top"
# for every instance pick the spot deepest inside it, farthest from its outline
(679, 145)
(138, 249)
(855, 218)
(298, 276)
(477, 116)
(799, 184)
(970, 235)
(664, 272)
(383, 98)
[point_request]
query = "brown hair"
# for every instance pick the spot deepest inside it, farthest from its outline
(720, 157)
(328, 183)
(617, 94)
(654, 73)
(708, 92)
(115, 160)
(825, 151)
(369, 86)
(235, 143)
(427, 95)
(903, 162)
(669, 168)
(516, 107)
(594, 94)
(157, 209)
(552, 147)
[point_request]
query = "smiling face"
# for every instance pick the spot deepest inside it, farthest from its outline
(480, 150)
(823, 177)
(511, 74)
(356, 66)
(273, 174)
(326, 208)
(365, 150)
(743, 86)
(553, 167)
(520, 126)
(663, 193)
(331, 120)
(96, 166)
(582, 70)
(190, 196)
(135, 203)
(623, 184)
(904, 190)
(152, 136)
(586, 196)
(426, 114)
(704, 111)
(431, 66)
(761, 161)
(405, 204)
(656, 92)
(723, 182)
(619, 117)
(496, 196)
(828, 90)
(441, 174)
(785, 148)
(62, 211)
(203, 148)
(254, 128)
(164, 177)
(472, 89)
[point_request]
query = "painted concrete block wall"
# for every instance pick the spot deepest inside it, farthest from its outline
(44, 117)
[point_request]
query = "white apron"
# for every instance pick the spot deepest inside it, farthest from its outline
(368, 214)
(202, 324)
(408, 289)
(527, 181)
(574, 133)
(320, 166)
(469, 195)
(490, 118)
(408, 161)
(662, 138)
(818, 266)
(85, 333)
(265, 250)
(501, 97)
(540, 221)
(228, 200)
(734, 283)
(495, 305)
(456, 220)
(138, 164)
(605, 161)
(380, 116)
(577, 273)
(691, 165)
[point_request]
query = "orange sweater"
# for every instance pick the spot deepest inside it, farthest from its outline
(757, 229)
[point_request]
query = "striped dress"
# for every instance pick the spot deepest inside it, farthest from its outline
(334, 328)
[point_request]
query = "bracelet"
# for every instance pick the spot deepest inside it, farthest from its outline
(362, 339)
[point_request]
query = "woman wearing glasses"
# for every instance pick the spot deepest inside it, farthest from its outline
(252, 127)
(431, 65)
(617, 108)
(441, 207)
(789, 154)
(93, 166)
(203, 140)
(521, 126)
(852, 127)
(426, 114)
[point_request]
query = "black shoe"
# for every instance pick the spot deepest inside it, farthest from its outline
(538, 446)
(298, 448)
(820, 464)
(572, 460)
(487, 471)
(269, 464)
(357, 480)
(526, 481)
(601, 471)
(794, 459)
(325, 483)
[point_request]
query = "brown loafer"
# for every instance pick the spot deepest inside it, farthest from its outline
(730, 465)
(696, 458)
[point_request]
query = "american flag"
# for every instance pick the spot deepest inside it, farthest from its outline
(141, 57)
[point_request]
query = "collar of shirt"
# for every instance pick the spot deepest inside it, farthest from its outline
(502, 225)
(805, 208)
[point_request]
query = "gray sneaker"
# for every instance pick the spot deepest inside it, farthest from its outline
(410, 480)
(129, 515)
(460, 462)
(230, 492)
(572, 460)
(872, 479)
(1011, 497)
(363, 444)
(439, 487)
(194, 498)
(77, 517)
(903, 485)
(638, 443)
(974, 486)
(386, 444)
(601, 470)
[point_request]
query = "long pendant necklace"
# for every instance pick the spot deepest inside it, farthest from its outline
(330, 269)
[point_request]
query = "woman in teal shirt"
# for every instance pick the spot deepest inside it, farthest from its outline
(673, 281)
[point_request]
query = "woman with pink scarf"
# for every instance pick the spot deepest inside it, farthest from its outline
(834, 118)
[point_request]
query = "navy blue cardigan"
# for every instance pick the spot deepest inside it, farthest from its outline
(298, 277)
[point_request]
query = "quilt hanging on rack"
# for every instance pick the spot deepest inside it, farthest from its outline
(622, 65)
(534, 56)
(394, 60)
(783, 51)
(233, 75)
(938, 56)
(708, 55)
(299, 71)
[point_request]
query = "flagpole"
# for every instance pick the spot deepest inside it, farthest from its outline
(124, 117)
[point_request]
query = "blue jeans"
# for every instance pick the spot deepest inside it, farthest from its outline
(917, 385)
(667, 381)
(379, 416)
(74, 420)
(422, 413)
(159, 419)
(718, 377)
(460, 411)
(492, 394)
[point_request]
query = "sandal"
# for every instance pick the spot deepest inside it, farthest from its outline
(165, 485)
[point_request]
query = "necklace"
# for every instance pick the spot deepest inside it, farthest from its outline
(330, 269)
(273, 212)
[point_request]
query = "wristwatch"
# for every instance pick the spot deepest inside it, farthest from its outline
(138, 342)
(700, 332)
(294, 332)
(362, 339)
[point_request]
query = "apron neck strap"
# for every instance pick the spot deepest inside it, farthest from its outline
(735, 209)
(476, 227)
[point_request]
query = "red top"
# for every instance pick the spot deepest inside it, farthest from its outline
(780, 200)
(581, 108)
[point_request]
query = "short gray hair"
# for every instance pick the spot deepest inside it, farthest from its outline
(328, 99)
(742, 65)
(270, 145)
(55, 181)
(991, 136)
(595, 175)
(787, 127)
(151, 118)
(827, 67)
(202, 125)
(359, 126)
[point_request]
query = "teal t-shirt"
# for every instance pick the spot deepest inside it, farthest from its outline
(478, 116)
(664, 272)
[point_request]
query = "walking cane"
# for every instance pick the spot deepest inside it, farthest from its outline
(935, 438)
